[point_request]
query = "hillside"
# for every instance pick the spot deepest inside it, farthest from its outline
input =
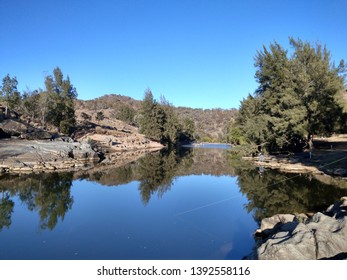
(209, 123)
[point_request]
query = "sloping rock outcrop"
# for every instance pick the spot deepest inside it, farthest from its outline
(41, 155)
(299, 237)
(13, 127)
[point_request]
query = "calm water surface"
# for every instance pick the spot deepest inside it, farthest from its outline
(188, 204)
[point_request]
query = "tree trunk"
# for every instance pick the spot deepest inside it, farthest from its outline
(310, 142)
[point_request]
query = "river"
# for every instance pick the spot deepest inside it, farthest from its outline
(192, 203)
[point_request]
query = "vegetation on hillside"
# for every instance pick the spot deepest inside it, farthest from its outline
(296, 99)
(159, 121)
(300, 93)
(52, 106)
(204, 125)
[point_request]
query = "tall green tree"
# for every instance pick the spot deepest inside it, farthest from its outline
(317, 83)
(295, 99)
(9, 92)
(152, 118)
(30, 105)
(187, 133)
(61, 94)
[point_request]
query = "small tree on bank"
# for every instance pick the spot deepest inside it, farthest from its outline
(9, 92)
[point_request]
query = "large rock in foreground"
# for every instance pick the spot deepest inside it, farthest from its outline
(324, 236)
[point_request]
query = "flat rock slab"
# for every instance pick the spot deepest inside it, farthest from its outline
(27, 155)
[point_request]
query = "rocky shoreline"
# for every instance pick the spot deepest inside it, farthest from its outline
(322, 235)
(297, 165)
(62, 154)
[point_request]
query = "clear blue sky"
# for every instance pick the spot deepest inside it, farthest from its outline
(196, 53)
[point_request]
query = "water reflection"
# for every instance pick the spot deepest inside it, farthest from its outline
(157, 171)
(6, 210)
(48, 194)
(270, 192)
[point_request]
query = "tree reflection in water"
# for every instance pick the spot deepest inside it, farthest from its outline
(6, 209)
(271, 192)
(157, 171)
(47, 193)
(268, 192)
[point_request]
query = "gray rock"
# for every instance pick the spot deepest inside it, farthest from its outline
(36, 134)
(26, 155)
(14, 127)
(270, 225)
(322, 237)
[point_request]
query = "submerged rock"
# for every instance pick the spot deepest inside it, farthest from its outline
(324, 236)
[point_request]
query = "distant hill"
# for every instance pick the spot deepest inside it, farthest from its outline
(209, 123)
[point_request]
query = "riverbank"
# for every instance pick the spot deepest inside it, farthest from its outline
(27, 147)
(17, 155)
(329, 157)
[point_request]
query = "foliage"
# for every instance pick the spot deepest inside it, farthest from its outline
(126, 114)
(295, 99)
(30, 105)
(99, 116)
(60, 100)
(204, 122)
(209, 124)
(9, 92)
(54, 105)
(159, 121)
(188, 130)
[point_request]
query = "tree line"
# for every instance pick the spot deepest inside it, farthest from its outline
(159, 122)
(296, 98)
(53, 105)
